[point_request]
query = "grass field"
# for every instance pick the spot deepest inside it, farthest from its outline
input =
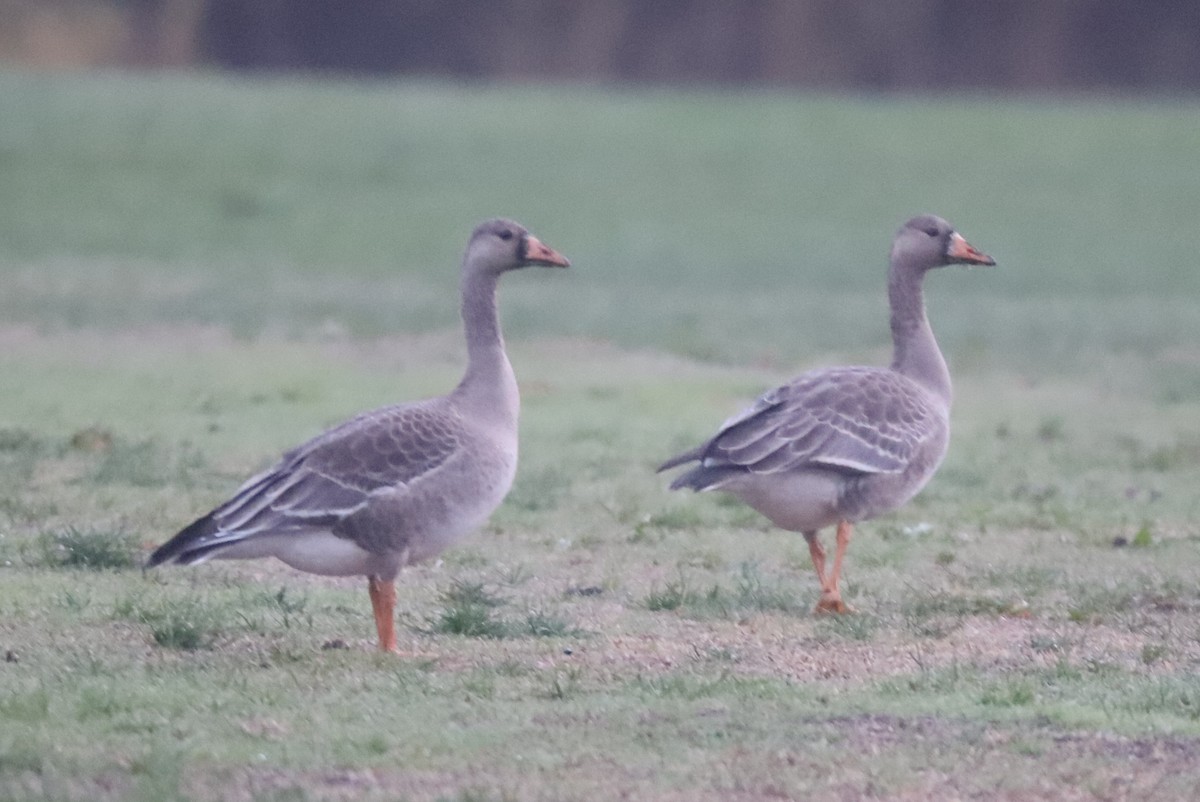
(197, 272)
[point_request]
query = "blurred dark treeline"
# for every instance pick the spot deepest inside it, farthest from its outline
(876, 44)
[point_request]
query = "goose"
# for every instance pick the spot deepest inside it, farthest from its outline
(396, 485)
(840, 445)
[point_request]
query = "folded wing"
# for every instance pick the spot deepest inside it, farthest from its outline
(324, 481)
(857, 420)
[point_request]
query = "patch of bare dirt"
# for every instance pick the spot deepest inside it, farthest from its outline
(987, 761)
(620, 640)
(788, 648)
(1073, 765)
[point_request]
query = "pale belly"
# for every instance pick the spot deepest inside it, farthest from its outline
(317, 552)
(809, 500)
(398, 527)
(798, 501)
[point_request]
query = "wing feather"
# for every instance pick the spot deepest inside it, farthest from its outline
(862, 420)
(323, 482)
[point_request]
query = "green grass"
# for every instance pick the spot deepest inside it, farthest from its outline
(299, 207)
(748, 593)
(188, 624)
(96, 550)
(197, 272)
(472, 610)
(467, 609)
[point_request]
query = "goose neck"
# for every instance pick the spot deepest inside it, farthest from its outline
(915, 351)
(489, 376)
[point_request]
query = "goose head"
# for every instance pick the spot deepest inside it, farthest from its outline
(499, 245)
(928, 241)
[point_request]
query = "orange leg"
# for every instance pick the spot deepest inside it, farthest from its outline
(383, 604)
(830, 601)
(845, 530)
(831, 594)
(817, 552)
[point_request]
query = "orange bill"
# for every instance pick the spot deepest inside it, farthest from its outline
(962, 251)
(538, 254)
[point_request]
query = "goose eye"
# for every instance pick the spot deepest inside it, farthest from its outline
(505, 235)
(931, 231)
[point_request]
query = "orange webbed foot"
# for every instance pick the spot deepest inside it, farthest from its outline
(830, 604)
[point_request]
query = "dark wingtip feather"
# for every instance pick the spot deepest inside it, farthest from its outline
(704, 477)
(694, 479)
(177, 548)
(691, 455)
(681, 482)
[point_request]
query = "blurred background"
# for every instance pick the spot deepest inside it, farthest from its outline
(876, 44)
(723, 174)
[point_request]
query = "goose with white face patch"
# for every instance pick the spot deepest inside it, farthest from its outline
(397, 485)
(842, 445)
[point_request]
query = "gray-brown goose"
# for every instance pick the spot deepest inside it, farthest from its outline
(841, 445)
(397, 485)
